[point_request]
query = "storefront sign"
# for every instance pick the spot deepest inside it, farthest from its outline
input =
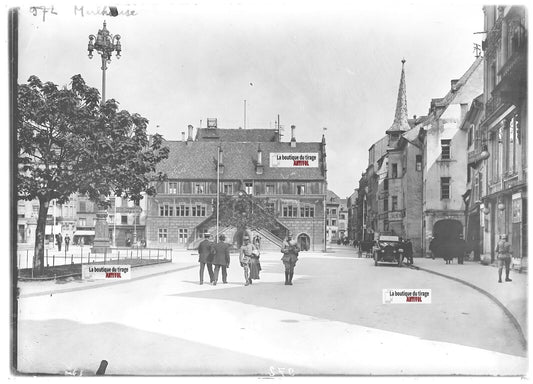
(294, 160)
(517, 208)
(395, 216)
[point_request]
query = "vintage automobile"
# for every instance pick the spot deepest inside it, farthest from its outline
(388, 249)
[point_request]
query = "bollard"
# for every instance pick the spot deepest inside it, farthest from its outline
(53, 260)
(47, 263)
(149, 256)
(65, 258)
(105, 255)
(118, 252)
(71, 258)
(27, 258)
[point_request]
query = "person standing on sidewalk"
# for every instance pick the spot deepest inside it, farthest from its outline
(206, 251)
(244, 257)
(290, 251)
(67, 242)
(503, 251)
(59, 240)
(221, 259)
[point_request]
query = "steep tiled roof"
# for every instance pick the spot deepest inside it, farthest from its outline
(196, 160)
(332, 197)
(237, 135)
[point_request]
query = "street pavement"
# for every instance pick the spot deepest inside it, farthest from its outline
(331, 321)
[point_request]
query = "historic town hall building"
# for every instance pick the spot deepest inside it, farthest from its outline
(288, 177)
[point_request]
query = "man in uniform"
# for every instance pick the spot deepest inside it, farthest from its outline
(206, 251)
(503, 252)
(290, 251)
(244, 257)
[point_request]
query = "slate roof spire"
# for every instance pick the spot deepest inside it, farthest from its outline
(400, 117)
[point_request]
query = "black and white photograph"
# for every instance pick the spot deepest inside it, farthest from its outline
(268, 189)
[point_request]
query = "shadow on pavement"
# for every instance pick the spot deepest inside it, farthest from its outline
(63, 347)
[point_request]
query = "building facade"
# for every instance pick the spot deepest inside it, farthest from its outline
(390, 191)
(288, 177)
(503, 129)
(445, 158)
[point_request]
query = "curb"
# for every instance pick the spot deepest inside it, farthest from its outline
(79, 273)
(513, 319)
(105, 284)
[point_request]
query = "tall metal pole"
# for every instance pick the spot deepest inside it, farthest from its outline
(325, 226)
(115, 224)
(103, 79)
(218, 187)
(244, 114)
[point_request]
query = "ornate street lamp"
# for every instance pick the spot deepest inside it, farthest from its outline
(105, 44)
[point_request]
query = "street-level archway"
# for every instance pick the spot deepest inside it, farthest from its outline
(304, 242)
(447, 229)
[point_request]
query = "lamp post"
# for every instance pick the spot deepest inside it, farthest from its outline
(104, 44)
(218, 187)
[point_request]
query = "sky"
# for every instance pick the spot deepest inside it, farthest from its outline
(318, 64)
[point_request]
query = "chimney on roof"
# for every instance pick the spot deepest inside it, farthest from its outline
(190, 128)
(220, 160)
(259, 165)
(293, 139)
(182, 136)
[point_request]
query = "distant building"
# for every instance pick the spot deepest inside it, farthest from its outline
(252, 162)
(336, 217)
(352, 205)
(390, 191)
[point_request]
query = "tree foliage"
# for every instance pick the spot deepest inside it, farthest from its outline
(68, 142)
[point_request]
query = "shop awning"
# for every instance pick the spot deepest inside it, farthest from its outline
(84, 232)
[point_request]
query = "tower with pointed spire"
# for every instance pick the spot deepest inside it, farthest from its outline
(400, 124)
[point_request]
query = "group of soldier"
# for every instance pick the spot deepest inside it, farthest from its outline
(218, 255)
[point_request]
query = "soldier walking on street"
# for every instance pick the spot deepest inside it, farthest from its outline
(245, 257)
(290, 251)
(503, 250)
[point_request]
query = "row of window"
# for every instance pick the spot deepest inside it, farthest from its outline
(394, 204)
(394, 170)
(196, 210)
(292, 211)
(250, 187)
(163, 235)
(82, 221)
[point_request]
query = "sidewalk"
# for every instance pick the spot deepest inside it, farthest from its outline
(512, 295)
